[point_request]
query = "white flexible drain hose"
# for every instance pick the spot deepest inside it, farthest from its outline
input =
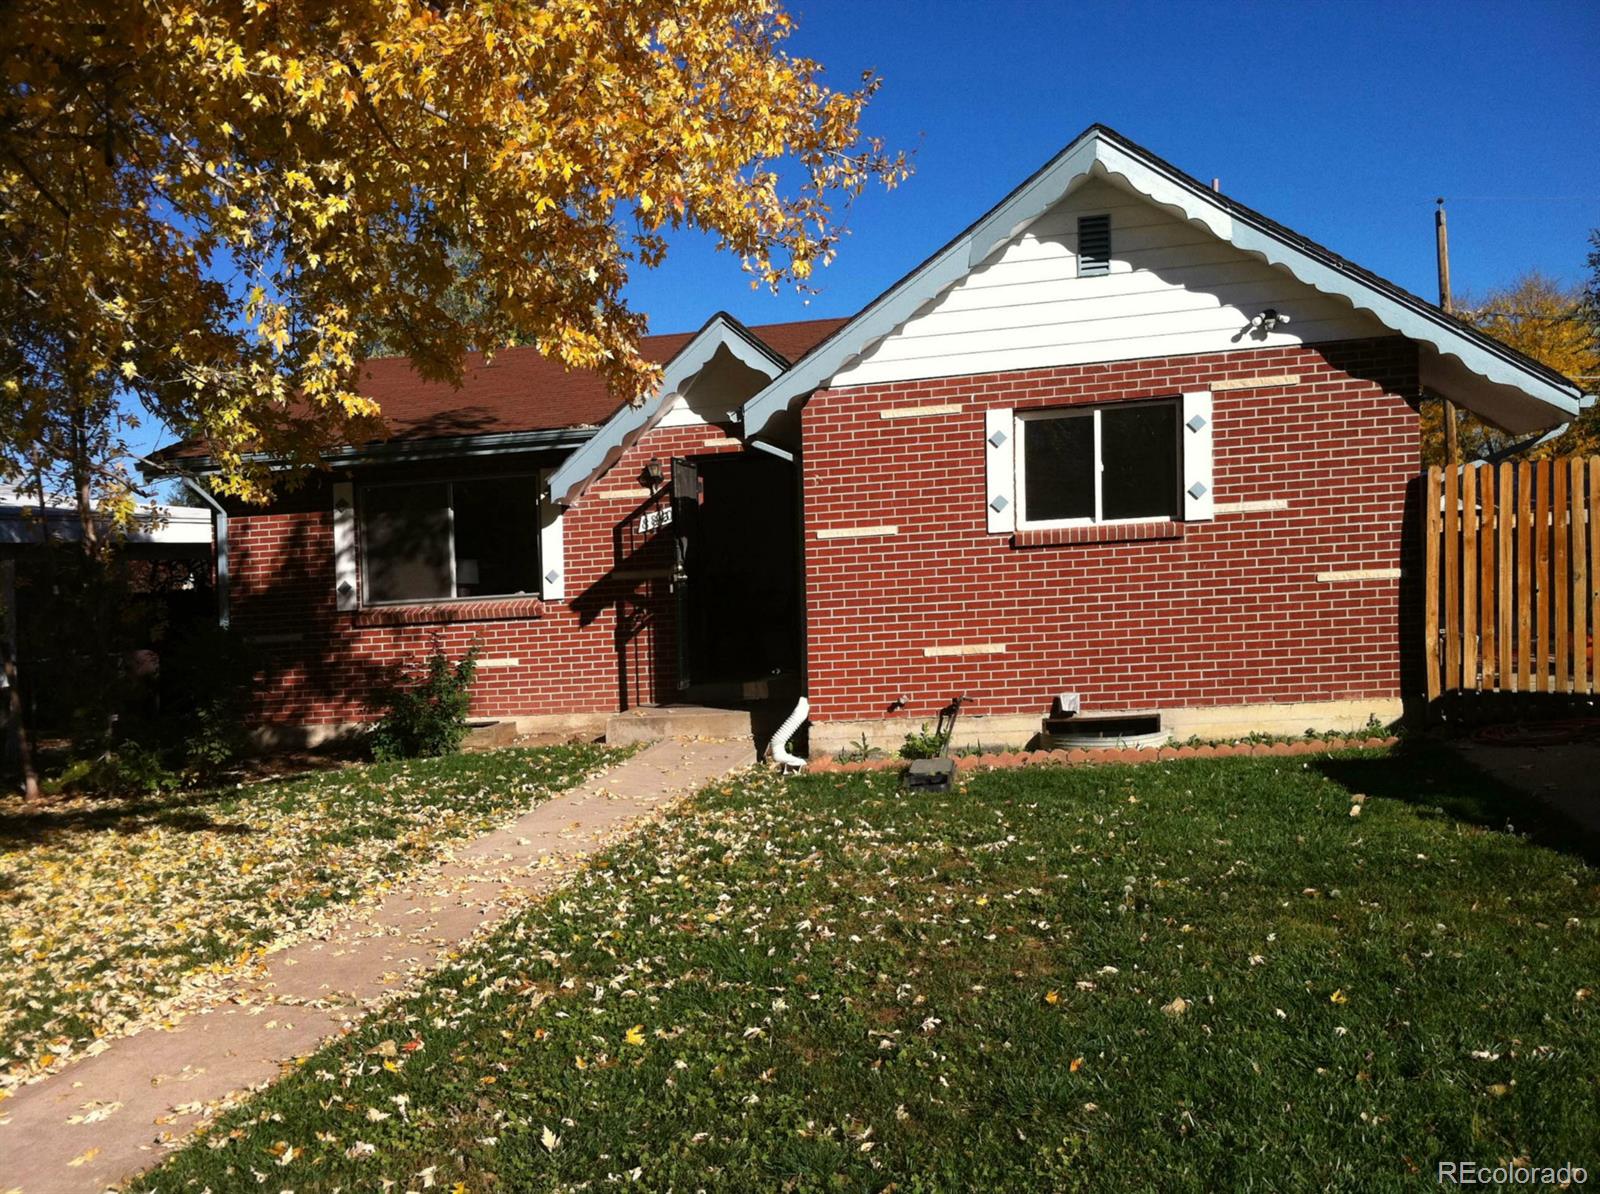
(780, 739)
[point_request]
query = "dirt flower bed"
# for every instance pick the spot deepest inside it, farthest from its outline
(116, 911)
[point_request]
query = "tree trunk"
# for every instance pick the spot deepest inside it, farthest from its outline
(20, 744)
(20, 747)
(81, 489)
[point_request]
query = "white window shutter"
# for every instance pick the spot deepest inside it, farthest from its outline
(1000, 454)
(552, 564)
(1199, 502)
(346, 579)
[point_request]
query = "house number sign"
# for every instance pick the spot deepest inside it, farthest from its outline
(654, 520)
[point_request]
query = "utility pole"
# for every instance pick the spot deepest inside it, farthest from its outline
(1441, 236)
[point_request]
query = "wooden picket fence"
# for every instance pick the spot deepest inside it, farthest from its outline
(1512, 580)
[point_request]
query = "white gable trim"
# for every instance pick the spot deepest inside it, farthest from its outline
(1100, 151)
(629, 422)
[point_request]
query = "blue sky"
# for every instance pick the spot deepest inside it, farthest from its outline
(1341, 120)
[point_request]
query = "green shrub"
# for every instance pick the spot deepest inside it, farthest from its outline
(206, 680)
(427, 715)
(924, 744)
(129, 768)
(193, 733)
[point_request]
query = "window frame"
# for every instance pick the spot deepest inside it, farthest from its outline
(449, 482)
(1020, 466)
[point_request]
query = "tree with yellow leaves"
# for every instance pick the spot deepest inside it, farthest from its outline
(1549, 322)
(208, 208)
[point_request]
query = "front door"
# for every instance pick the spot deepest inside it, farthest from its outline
(687, 494)
(737, 577)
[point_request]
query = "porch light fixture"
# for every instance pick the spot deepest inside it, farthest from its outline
(653, 472)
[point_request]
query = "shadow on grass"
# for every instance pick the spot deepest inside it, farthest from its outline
(180, 809)
(1429, 775)
(183, 812)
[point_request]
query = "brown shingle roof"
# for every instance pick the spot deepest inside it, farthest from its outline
(522, 390)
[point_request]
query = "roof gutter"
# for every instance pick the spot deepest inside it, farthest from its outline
(1512, 451)
(401, 451)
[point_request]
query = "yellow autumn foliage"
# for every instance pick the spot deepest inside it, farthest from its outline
(210, 209)
(1549, 322)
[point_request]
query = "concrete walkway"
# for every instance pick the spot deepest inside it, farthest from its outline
(149, 1090)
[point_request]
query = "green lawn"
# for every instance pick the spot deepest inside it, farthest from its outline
(1203, 975)
(113, 908)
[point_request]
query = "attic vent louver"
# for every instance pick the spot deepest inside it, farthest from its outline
(1094, 246)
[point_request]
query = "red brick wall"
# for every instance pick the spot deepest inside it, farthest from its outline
(608, 645)
(1229, 612)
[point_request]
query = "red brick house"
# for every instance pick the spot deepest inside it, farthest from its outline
(1123, 437)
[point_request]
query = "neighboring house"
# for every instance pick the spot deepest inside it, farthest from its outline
(156, 532)
(1123, 437)
(167, 552)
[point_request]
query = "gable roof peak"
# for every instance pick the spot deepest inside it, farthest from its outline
(1525, 394)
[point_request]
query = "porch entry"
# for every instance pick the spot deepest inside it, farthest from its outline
(736, 577)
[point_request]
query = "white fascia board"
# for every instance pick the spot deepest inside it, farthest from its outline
(1418, 323)
(1028, 202)
(1091, 155)
(1097, 152)
(567, 482)
(1413, 324)
(944, 269)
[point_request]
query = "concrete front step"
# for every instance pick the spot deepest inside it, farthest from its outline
(654, 723)
(489, 735)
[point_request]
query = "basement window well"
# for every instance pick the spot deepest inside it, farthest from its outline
(1103, 729)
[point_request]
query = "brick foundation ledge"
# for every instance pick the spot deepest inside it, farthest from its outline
(1016, 730)
(1001, 760)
